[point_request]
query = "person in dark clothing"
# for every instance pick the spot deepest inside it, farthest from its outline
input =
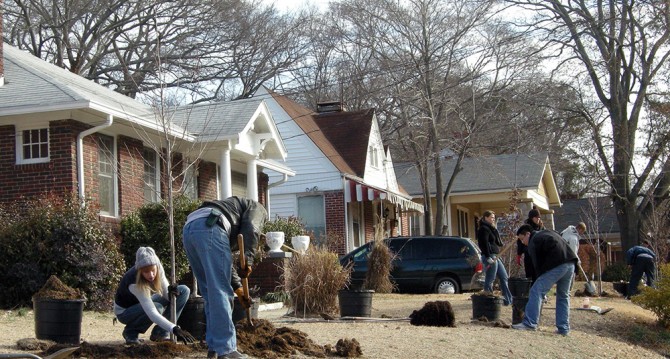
(642, 261)
(554, 262)
(210, 237)
(142, 299)
(535, 222)
(488, 239)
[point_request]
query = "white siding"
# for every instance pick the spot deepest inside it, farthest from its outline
(304, 157)
(283, 205)
(375, 176)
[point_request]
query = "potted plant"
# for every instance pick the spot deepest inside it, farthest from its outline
(358, 302)
(277, 230)
(58, 312)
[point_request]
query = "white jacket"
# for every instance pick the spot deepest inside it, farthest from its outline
(571, 236)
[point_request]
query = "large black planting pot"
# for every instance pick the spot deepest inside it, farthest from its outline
(487, 306)
(58, 319)
(355, 303)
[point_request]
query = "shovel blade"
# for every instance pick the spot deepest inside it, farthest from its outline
(590, 288)
(62, 354)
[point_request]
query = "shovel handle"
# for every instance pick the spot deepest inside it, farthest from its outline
(245, 281)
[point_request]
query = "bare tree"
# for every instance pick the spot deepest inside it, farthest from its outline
(618, 49)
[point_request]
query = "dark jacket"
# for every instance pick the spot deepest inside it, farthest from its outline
(634, 252)
(547, 249)
(246, 217)
(488, 239)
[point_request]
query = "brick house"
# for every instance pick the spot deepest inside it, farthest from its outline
(64, 134)
(345, 183)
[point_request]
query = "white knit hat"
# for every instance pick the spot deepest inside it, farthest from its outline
(145, 256)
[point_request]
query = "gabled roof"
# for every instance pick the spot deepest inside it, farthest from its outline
(303, 117)
(480, 174)
(349, 133)
(218, 120)
(574, 211)
(33, 85)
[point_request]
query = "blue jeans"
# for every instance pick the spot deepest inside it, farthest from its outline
(208, 252)
(561, 276)
(497, 269)
(137, 321)
(642, 265)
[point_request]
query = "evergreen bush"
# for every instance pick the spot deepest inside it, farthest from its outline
(616, 272)
(56, 236)
(148, 226)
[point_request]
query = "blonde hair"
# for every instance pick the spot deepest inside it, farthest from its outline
(582, 226)
(150, 287)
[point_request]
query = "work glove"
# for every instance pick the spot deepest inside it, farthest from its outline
(244, 300)
(183, 335)
(244, 272)
(518, 259)
(173, 289)
(491, 260)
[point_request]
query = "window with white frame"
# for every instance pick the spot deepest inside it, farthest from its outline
(356, 213)
(152, 188)
(32, 145)
(373, 154)
(311, 209)
(107, 175)
(190, 185)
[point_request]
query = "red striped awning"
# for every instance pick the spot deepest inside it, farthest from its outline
(358, 192)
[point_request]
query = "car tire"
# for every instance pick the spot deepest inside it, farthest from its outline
(447, 285)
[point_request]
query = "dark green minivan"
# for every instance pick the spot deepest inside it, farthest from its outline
(425, 264)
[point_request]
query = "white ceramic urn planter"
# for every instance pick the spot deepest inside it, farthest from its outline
(274, 240)
(300, 243)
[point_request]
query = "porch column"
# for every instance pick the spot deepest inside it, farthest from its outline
(252, 179)
(225, 175)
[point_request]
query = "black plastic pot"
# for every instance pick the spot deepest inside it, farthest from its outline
(520, 287)
(355, 303)
(621, 288)
(58, 320)
(487, 306)
(192, 318)
(519, 309)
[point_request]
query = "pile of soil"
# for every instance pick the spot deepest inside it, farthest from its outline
(263, 340)
(434, 314)
(348, 348)
(161, 350)
(55, 289)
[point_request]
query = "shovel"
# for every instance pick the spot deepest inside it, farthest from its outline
(589, 287)
(245, 281)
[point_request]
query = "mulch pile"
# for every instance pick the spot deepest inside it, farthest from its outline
(434, 314)
(161, 350)
(263, 340)
(55, 289)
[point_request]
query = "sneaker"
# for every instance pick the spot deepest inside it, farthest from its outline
(132, 340)
(233, 354)
(565, 334)
(211, 354)
(159, 338)
(521, 326)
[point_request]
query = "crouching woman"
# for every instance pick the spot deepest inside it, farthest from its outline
(142, 299)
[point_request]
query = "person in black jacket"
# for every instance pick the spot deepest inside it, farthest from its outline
(488, 239)
(554, 262)
(535, 222)
(210, 237)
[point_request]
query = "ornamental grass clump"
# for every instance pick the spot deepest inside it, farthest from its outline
(312, 281)
(380, 263)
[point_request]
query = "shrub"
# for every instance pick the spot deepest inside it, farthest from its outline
(616, 272)
(57, 236)
(313, 280)
(149, 226)
(657, 299)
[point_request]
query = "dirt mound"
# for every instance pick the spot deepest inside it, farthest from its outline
(349, 348)
(162, 350)
(55, 289)
(263, 340)
(434, 314)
